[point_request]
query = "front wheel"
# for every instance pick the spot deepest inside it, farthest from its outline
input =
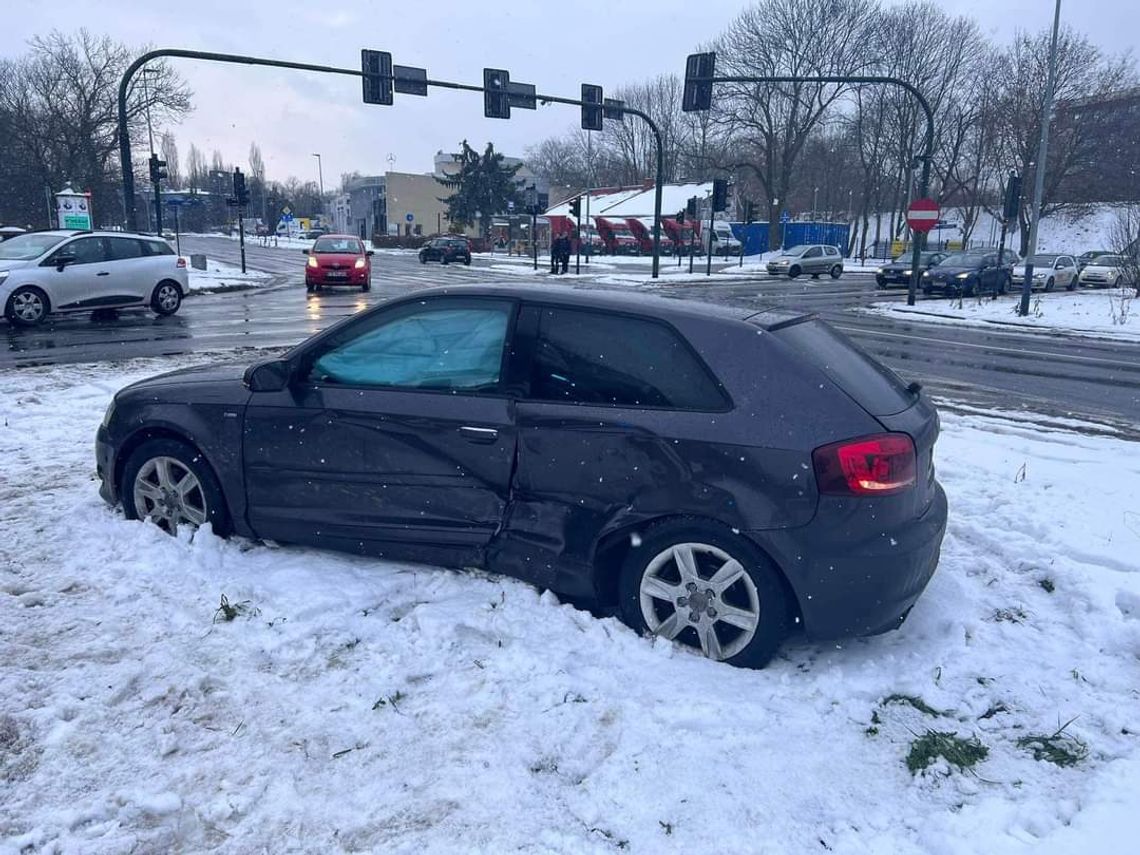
(166, 299)
(367, 286)
(27, 307)
(836, 271)
(170, 484)
(708, 589)
(793, 272)
(1049, 284)
(467, 261)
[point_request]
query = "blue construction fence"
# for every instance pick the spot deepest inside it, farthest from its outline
(755, 235)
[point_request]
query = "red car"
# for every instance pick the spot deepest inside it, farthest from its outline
(338, 260)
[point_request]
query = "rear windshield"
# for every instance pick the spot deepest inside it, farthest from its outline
(870, 384)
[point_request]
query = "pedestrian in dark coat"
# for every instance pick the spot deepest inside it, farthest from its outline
(555, 249)
(565, 253)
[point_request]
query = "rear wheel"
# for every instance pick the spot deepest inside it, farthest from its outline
(28, 306)
(170, 484)
(706, 588)
(166, 298)
(836, 271)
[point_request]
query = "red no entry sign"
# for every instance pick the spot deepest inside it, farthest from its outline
(922, 215)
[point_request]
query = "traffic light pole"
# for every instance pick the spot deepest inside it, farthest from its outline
(925, 157)
(125, 140)
(157, 208)
(708, 261)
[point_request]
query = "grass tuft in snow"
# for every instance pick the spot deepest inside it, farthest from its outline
(1047, 585)
(1059, 748)
(910, 700)
(228, 611)
(963, 753)
(390, 701)
(1014, 615)
(994, 709)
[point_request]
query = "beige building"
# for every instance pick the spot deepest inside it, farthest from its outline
(413, 203)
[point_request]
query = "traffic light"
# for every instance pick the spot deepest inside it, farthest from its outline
(749, 212)
(241, 194)
(576, 207)
(698, 96)
(157, 168)
(591, 107)
(1012, 197)
(376, 71)
(496, 93)
(720, 194)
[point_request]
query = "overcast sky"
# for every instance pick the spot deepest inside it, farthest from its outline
(293, 114)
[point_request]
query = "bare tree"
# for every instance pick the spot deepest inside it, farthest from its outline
(195, 169)
(170, 155)
(772, 123)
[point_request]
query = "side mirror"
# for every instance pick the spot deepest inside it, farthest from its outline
(304, 252)
(370, 252)
(270, 375)
(63, 259)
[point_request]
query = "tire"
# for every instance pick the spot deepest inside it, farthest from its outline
(166, 299)
(367, 286)
(443, 261)
(793, 272)
(467, 261)
(836, 271)
(1049, 285)
(758, 590)
(927, 292)
(1116, 282)
(309, 287)
(27, 306)
(1072, 286)
(423, 259)
(203, 501)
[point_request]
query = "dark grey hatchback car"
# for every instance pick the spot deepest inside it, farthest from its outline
(717, 475)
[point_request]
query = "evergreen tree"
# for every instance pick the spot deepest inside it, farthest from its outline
(484, 185)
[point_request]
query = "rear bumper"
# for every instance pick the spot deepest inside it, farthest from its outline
(849, 587)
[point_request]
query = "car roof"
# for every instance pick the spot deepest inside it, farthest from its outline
(615, 301)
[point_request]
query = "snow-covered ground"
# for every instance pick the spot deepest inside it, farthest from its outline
(358, 705)
(219, 276)
(1109, 313)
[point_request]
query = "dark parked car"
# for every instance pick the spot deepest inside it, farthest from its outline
(1087, 258)
(618, 448)
(446, 250)
(968, 273)
(898, 271)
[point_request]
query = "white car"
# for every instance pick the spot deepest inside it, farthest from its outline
(1049, 271)
(68, 271)
(1109, 271)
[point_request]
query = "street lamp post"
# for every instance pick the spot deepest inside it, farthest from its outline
(321, 179)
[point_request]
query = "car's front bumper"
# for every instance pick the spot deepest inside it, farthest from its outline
(851, 584)
(105, 467)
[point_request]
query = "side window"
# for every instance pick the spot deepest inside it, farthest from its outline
(86, 250)
(156, 247)
(814, 252)
(451, 349)
(830, 250)
(123, 249)
(592, 358)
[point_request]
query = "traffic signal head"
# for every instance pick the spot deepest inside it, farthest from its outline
(591, 107)
(576, 207)
(720, 194)
(241, 194)
(157, 168)
(698, 95)
(496, 93)
(1012, 197)
(376, 71)
(691, 207)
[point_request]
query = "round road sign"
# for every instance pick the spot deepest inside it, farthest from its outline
(922, 215)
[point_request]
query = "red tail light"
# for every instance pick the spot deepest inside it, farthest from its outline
(181, 261)
(878, 465)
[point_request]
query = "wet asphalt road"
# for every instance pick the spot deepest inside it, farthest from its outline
(1051, 374)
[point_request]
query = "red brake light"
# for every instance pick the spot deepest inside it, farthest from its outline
(878, 465)
(181, 261)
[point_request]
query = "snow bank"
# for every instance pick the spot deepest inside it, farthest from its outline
(221, 276)
(361, 705)
(1111, 313)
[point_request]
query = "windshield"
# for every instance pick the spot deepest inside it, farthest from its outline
(797, 250)
(345, 244)
(924, 258)
(963, 259)
(1041, 260)
(27, 247)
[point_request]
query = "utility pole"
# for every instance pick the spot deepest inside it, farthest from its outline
(321, 180)
(1042, 152)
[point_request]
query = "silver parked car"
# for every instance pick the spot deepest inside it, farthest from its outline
(42, 273)
(1107, 271)
(1048, 271)
(813, 258)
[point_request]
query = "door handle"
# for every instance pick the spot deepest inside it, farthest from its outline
(478, 434)
(103, 273)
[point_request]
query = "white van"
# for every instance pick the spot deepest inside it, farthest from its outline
(724, 242)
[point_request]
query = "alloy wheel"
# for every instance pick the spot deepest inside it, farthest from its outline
(699, 595)
(167, 298)
(28, 306)
(169, 494)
